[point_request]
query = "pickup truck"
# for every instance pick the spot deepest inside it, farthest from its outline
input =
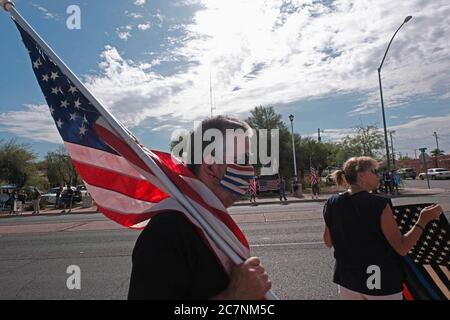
(436, 173)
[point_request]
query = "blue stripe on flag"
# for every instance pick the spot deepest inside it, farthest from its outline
(421, 278)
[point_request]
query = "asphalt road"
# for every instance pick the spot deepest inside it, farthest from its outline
(33, 266)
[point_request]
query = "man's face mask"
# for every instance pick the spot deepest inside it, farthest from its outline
(237, 178)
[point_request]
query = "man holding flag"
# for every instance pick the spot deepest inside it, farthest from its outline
(172, 261)
(193, 249)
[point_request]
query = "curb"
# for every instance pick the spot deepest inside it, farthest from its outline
(324, 200)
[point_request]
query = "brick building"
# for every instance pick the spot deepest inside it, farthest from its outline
(434, 162)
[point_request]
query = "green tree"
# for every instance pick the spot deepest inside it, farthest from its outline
(60, 168)
(17, 164)
(367, 141)
(262, 117)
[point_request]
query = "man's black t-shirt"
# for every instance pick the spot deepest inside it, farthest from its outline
(171, 261)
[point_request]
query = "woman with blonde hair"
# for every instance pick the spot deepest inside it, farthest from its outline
(368, 244)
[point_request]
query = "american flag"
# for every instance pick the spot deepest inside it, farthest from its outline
(427, 265)
(314, 178)
(253, 187)
(125, 189)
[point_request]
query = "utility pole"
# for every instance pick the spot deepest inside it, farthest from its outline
(319, 138)
(424, 159)
(392, 148)
(415, 153)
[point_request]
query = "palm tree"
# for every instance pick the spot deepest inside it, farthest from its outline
(437, 152)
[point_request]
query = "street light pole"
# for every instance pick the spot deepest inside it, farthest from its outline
(388, 162)
(392, 148)
(291, 118)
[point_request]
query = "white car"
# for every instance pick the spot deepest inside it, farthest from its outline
(50, 196)
(436, 173)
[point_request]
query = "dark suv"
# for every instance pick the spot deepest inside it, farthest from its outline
(407, 173)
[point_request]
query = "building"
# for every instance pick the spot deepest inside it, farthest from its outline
(417, 164)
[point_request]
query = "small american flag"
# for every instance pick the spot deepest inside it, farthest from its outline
(253, 187)
(124, 187)
(314, 178)
(427, 264)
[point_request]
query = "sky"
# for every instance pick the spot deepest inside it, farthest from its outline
(153, 63)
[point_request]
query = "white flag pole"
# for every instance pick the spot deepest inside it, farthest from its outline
(170, 187)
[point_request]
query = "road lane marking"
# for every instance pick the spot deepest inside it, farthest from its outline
(285, 244)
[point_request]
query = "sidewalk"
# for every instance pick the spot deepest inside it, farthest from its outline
(49, 211)
(409, 192)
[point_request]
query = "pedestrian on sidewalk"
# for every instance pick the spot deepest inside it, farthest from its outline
(58, 198)
(387, 179)
(253, 190)
(314, 179)
(35, 198)
(68, 199)
(361, 228)
(396, 180)
(15, 202)
(282, 188)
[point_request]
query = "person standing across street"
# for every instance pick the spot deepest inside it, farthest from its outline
(314, 179)
(253, 190)
(36, 198)
(282, 188)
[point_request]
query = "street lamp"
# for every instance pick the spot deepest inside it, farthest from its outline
(392, 147)
(291, 118)
(388, 162)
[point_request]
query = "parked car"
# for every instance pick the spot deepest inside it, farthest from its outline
(50, 195)
(406, 173)
(436, 173)
(82, 191)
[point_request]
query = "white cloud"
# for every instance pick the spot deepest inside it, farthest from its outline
(277, 53)
(46, 12)
(34, 122)
(419, 133)
(139, 2)
(417, 116)
(124, 35)
(272, 54)
(280, 52)
(133, 15)
(144, 26)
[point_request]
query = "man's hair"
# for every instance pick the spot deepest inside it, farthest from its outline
(221, 123)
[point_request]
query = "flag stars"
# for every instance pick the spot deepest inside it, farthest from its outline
(37, 64)
(85, 120)
(83, 130)
(45, 77)
(59, 123)
(51, 110)
(54, 76)
(77, 103)
(64, 104)
(55, 90)
(73, 116)
(72, 89)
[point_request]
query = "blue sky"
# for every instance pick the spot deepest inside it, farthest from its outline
(150, 63)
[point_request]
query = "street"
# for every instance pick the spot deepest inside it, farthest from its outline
(35, 252)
